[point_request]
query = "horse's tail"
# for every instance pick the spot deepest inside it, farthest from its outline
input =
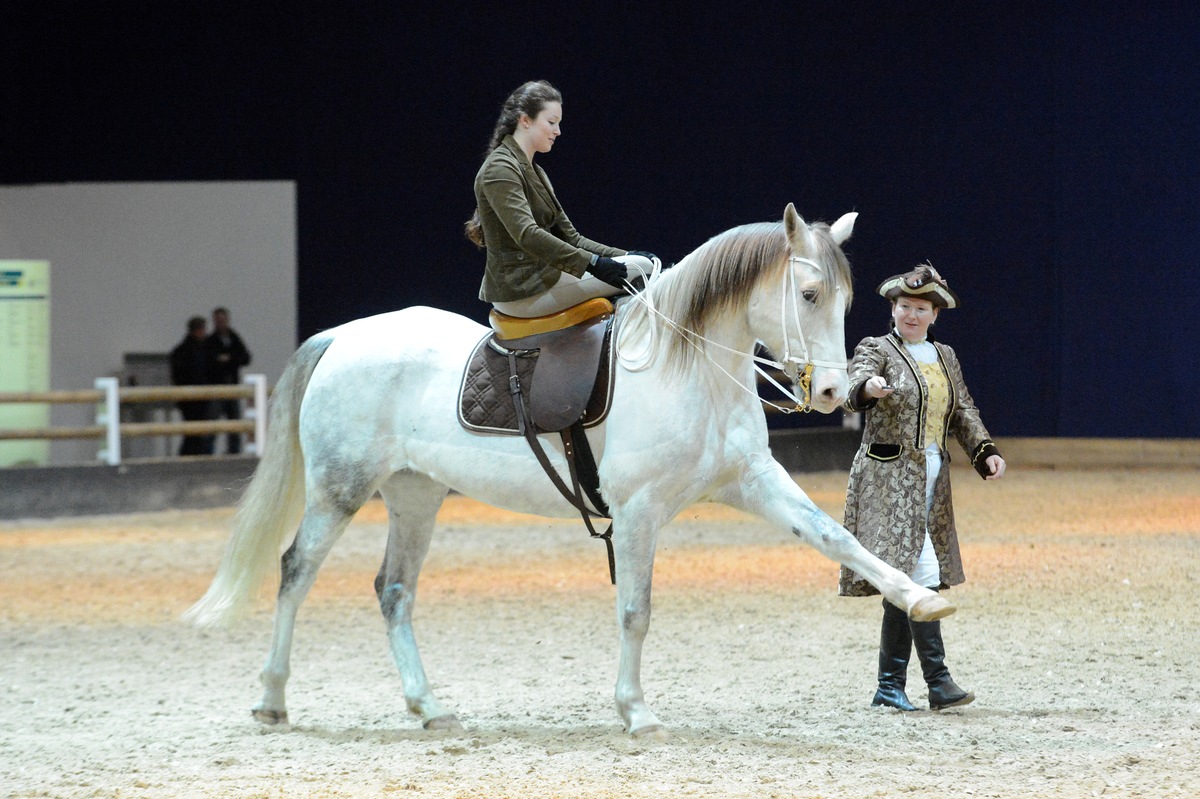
(271, 504)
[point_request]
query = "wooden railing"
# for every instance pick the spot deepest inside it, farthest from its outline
(109, 396)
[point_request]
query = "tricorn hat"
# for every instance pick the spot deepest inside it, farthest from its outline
(924, 283)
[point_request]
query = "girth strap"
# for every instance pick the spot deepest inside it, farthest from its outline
(574, 443)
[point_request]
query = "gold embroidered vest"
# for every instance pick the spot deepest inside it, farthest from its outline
(939, 402)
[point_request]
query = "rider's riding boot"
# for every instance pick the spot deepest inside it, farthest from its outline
(943, 693)
(895, 647)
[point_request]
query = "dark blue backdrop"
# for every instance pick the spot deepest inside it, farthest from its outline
(1043, 156)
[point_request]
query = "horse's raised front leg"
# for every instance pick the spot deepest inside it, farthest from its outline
(413, 501)
(634, 551)
(319, 529)
(767, 490)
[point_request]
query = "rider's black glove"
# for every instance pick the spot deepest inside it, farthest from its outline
(611, 271)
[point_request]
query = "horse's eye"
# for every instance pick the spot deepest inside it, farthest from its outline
(810, 295)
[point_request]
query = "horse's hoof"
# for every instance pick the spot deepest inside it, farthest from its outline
(448, 723)
(269, 717)
(931, 608)
(651, 732)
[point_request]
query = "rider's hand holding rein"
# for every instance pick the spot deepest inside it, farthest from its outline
(610, 270)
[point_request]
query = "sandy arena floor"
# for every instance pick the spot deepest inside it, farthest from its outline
(1077, 630)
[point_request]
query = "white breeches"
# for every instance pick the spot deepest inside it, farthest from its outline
(927, 573)
(571, 290)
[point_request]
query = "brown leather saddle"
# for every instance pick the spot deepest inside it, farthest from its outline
(548, 374)
(563, 367)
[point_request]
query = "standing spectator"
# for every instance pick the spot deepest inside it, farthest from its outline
(227, 355)
(190, 367)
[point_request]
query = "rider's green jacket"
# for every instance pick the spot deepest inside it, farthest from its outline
(529, 239)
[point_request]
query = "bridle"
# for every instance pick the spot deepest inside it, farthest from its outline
(798, 370)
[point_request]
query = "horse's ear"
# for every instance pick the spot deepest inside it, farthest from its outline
(841, 229)
(796, 228)
(792, 222)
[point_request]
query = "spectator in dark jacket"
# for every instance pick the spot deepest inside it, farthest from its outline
(227, 355)
(190, 367)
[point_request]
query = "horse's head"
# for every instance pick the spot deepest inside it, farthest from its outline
(800, 316)
(784, 284)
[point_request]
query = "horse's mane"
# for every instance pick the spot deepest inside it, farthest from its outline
(718, 278)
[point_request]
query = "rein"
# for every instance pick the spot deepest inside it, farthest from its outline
(798, 370)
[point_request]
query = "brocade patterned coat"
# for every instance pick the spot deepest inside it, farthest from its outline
(885, 499)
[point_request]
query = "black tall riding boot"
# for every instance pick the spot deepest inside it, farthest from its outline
(943, 693)
(895, 647)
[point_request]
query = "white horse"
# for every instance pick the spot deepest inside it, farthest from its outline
(371, 406)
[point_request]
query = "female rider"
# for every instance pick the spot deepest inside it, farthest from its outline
(537, 263)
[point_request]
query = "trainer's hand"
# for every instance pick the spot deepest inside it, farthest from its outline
(610, 271)
(877, 387)
(997, 465)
